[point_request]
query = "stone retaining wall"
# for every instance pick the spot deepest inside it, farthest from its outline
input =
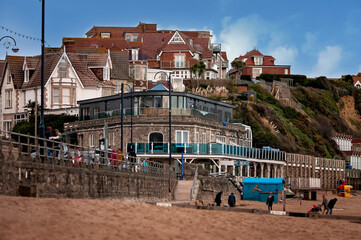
(50, 180)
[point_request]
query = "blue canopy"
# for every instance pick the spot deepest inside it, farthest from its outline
(263, 180)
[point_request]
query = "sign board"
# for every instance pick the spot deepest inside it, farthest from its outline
(241, 163)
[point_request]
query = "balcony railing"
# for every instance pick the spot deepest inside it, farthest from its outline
(210, 149)
(152, 112)
(141, 57)
(172, 64)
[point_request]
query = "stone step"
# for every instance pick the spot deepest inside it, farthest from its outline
(183, 190)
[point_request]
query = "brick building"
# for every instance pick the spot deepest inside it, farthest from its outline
(256, 63)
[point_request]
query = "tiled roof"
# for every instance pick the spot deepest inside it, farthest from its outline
(252, 53)
(15, 64)
(268, 60)
(2, 65)
(356, 78)
(203, 42)
(120, 65)
(116, 32)
(224, 56)
(86, 76)
(78, 44)
(32, 62)
(356, 140)
(50, 59)
(341, 135)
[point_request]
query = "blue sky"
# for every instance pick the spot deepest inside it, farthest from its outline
(315, 37)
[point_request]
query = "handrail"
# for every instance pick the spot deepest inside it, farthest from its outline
(48, 151)
(193, 189)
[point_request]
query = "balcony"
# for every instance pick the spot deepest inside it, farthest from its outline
(141, 57)
(160, 148)
(172, 64)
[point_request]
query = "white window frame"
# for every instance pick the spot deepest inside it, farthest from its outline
(66, 99)
(196, 137)
(63, 71)
(184, 136)
(26, 75)
(106, 73)
(286, 71)
(221, 139)
(91, 140)
(9, 78)
(256, 74)
(56, 95)
(8, 98)
(258, 60)
(204, 138)
(105, 35)
(179, 61)
(232, 141)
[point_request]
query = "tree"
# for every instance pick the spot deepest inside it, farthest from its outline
(198, 69)
(238, 65)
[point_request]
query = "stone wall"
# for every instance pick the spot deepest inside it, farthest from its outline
(210, 186)
(24, 177)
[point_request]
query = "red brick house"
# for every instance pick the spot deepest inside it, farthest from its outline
(256, 63)
(357, 80)
(152, 50)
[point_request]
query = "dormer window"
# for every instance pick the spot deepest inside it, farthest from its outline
(135, 53)
(176, 39)
(258, 60)
(9, 78)
(26, 75)
(105, 35)
(131, 37)
(106, 73)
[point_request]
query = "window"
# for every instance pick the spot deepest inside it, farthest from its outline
(196, 137)
(63, 71)
(256, 72)
(135, 54)
(179, 61)
(105, 35)
(182, 136)
(91, 140)
(106, 73)
(176, 39)
(19, 117)
(204, 138)
(85, 113)
(131, 72)
(9, 78)
(96, 110)
(181, 74)
(212, 138)
(8, 127)
(137, 73)
(286, 71)
(8, 98)
(56, 95)
(258, 60)
(221, 139)
(106, 92)
(232, 141)
(144, 73)
(26, 75)
(66, 96)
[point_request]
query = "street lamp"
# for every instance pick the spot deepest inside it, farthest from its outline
(170, 114)
(131, 90)
(7, 44)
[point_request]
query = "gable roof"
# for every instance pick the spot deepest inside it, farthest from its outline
(356, 79)
(15, 65)
(224, 56)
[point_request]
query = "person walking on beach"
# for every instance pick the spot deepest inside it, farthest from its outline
(232, 200)
(270, 200)
(324, 203)
(330, 205)
(218, 199)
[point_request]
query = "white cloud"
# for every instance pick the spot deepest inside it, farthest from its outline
(241, 36)
(284, 55)
(327, 62)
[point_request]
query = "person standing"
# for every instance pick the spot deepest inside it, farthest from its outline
(324, 203)
(232, 200)
(270, 200)
(330, 205)
(218, 198)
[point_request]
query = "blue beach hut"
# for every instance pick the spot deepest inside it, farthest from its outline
(258, 189)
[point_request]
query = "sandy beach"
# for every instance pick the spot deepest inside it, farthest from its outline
(46, 218)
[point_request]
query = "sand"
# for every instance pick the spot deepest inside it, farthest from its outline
(47, 218)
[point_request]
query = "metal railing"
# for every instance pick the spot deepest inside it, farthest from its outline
(173, 64)
(209, 149)
(29, 148)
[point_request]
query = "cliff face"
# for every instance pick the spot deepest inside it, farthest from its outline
(308, 125)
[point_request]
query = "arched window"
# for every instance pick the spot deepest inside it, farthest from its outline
(156, 141)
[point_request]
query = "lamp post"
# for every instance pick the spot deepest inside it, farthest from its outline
(7, 44)
(170, 114)
(42, 125)
(131, 90)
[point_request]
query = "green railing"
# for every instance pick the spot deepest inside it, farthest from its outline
(209, 149)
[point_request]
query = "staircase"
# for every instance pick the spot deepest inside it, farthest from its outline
(182, 191)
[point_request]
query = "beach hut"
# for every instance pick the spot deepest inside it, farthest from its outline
(258, 189)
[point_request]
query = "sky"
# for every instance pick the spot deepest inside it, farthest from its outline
(315, 37)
